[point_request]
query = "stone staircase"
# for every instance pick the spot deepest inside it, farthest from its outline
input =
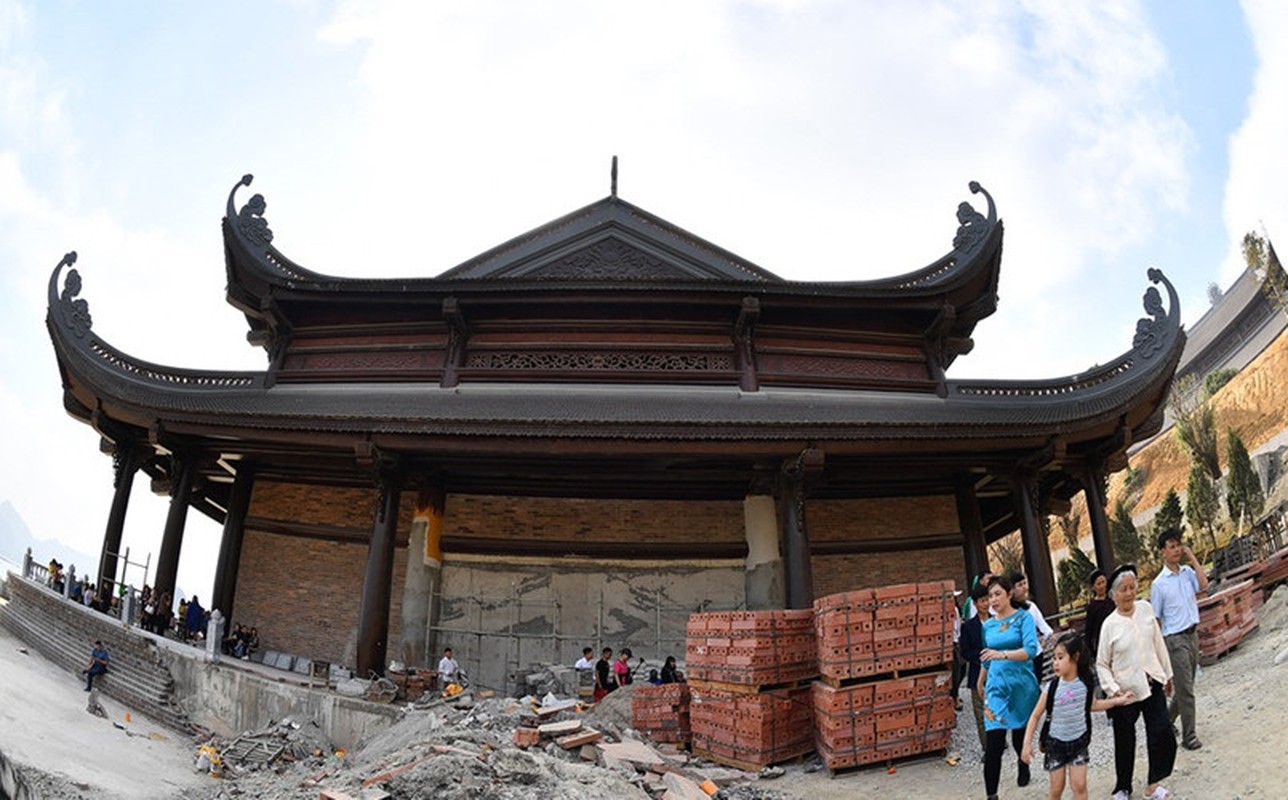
(64, 632)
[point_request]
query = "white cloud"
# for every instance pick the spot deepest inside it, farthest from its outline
(1256, 192)
(821, 140)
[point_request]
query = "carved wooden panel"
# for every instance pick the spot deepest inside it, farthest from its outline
(599, 361)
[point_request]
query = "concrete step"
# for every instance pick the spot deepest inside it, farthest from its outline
(62, 632)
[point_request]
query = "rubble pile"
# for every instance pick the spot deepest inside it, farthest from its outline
(457, 748)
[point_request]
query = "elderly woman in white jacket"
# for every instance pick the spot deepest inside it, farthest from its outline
(1132, 657)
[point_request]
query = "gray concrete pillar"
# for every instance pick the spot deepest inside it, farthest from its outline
(214, 636)
(424, 572)
(764, 570)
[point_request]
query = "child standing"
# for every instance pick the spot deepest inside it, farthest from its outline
(1070, 699)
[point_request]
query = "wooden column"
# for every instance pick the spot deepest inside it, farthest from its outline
(126, 460)
(791, 507)
(181, 474)
(373, 614)
(1037, 552)
(1093, 489)
(972, 528)
(230, 544)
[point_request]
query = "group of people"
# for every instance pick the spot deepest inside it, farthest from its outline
(241, 641)
(611, 674)
(1134, 655)
(155, 614)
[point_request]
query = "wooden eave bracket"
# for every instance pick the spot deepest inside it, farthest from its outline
(457, 335)
(744, 343)
(1052, 455)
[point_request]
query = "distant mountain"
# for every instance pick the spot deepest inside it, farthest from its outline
(16, 537)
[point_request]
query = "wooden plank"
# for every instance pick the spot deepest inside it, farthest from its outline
(560, 728)
(588, 736)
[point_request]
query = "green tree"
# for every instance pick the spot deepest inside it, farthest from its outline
(1122, 531)
(1202, 501)
(1218, 378)
(1169, 513)
(1195, 424)
(1244, 498)
(1072, 575)
(1259, 253)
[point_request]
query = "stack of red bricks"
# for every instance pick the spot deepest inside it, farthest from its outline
(1225, 619)
(869, 632)
(749, 674)
(885, 658)
(413, 683)
(746, 727)
(885, 719)
(751, 648)
(661, 713)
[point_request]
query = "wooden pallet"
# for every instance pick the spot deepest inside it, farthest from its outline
(748, 766)
(748, 688)
(894, 674)
(888, 763)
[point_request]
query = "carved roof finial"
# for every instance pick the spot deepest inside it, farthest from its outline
(613, 177)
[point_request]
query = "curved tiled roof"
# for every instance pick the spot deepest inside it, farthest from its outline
(971, 409)
(559, 255)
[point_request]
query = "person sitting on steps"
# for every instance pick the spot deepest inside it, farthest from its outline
(97, 665)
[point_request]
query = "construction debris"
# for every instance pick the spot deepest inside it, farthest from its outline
(518, 749)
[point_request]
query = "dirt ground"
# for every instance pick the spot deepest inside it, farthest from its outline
(44, 725)
(68, 753)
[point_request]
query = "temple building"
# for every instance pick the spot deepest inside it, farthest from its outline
(588, 432)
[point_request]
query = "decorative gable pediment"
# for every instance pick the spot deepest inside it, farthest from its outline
(610, 259)
(610, 240)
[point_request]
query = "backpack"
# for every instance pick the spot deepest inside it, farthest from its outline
(1044, 738)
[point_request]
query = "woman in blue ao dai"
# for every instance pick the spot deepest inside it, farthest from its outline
(1009, 686)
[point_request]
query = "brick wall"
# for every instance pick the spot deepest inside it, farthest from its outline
(601, 520)
(880, 517)
(326, 505)
(304, 594)
(842, 573)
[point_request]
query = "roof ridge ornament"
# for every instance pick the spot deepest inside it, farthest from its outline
(1152, 332)
(613, 178)
(974, 227)
(75, 312)
(250, 220)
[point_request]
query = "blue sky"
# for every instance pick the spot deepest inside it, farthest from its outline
(817, 139)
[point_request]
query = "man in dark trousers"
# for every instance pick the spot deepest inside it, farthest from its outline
(97, 664)
(972, 643)
(605, 682)
(1174, 596)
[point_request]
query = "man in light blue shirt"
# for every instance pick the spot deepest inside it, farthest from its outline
(1174, 598)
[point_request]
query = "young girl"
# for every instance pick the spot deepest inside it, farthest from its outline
(1066, 740)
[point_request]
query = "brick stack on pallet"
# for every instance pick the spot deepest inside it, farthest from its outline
(885, 689)
(413, 683)
(1252, 571)
(661, 713)
(1225, 619)
(749, 673)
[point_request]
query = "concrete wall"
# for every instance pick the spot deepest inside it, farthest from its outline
(173, 683)
(501, 614)
(500, 617)
(228, 700)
